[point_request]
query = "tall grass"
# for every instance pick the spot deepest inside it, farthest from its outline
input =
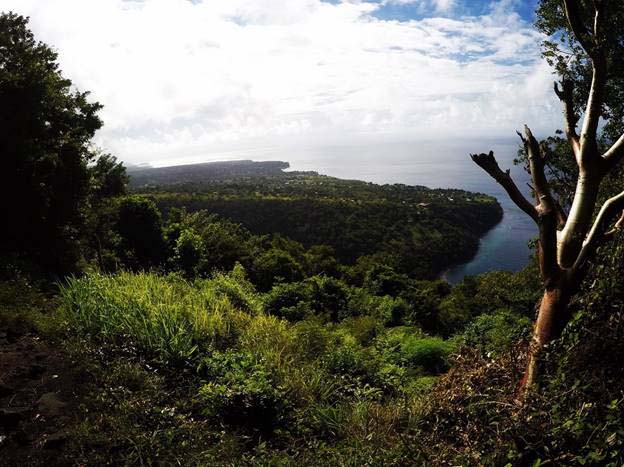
(163, 315)
(354, 380)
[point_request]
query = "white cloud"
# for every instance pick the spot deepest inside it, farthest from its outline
(439, 6)
(182, 79)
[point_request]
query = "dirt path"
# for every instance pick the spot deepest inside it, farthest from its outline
(37, 400)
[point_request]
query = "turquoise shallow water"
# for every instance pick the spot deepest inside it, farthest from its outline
(436, 165)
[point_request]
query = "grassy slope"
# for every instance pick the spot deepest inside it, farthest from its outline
(165, 371)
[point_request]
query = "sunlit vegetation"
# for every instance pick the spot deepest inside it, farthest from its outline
(307, 364)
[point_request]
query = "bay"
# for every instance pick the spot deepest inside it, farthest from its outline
(435, 164)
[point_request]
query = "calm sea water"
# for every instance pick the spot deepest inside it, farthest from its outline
(436, 165)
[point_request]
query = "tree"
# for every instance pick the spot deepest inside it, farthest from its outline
(47, 127)
(273, 266)
(586, 49)
(139, 225)
(108, 180)
(188, 252)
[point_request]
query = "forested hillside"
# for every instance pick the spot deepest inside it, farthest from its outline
(414, 230)
(237, 314)
(194, 176)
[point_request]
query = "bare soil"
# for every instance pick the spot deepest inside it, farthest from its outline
(39, 394)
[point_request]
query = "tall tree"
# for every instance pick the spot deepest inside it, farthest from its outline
(46, 130)
(585, 46)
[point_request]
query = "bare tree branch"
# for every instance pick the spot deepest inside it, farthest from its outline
(536, 166)
(615, 153)
(598, 233)
(488, 163)
(548, 215)
(589, 42)
(616, 228)
(566, 95)
(589, 146)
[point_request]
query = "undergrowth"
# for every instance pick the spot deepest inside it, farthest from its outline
(242, 385)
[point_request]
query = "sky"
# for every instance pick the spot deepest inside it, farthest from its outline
(187, 81)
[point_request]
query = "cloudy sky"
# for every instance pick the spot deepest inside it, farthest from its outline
(193, 80)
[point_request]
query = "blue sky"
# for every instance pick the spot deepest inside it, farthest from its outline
(417, 10)
(192, 80)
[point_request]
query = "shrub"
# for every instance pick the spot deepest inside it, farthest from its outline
(289, 301)
(346, 360)
(383, 280)
(330, 421)
(363, 328)
(275, 266)
(428, 353)
(311, 339)
(188, 252)
(390, 311)
(496, 333)
(388, 344)
(329, 298)
(139, 225)
(236, 287)
(242, 392)
(269, 338)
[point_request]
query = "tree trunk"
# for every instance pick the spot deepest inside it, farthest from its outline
(579, 219)
(552, 317)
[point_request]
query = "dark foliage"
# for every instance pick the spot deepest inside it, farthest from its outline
(45, 181)
(415, 230)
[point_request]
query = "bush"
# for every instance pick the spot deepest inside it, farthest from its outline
(429, 353)
(188, 252)
(242, 392)
(346, 360)
(389, 310)
(383, 280)
(311, 339)
(363, 328)
(275, 266)
(329, 298)
(289, 301)
(139, 226)
(236, 287)
(496, 333)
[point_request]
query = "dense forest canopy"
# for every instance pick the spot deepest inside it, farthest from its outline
(415, 230)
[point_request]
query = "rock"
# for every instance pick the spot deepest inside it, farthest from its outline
(55, 440)
(11, 417)
(50, 405)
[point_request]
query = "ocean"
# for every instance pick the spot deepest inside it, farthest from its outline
(435, 164)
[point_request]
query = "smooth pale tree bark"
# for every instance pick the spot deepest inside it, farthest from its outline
(567, 241)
